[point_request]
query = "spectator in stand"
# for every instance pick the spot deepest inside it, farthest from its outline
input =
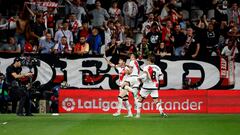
(130, 10)
(179, 39)
(211, 40)
(162, 51)
(22, 29)
(82, 47)
(119, 32)
(99, 14)
(50, 17)
(64, 32)
(62, 47)
(146, 26)
(90, 4)
(109, 30)
(127, 48)
(78, 10)
(46, 45)
(230, 49)
(154, 37)
(167, 35)
(192, 46)
(174, 16)
(233, 13)
(234, 33)
(38, 28)
(84, 31)
(143, 49)
(149, 6)
(115, 12)
(75, 25)
(11, 46)
(111, 48)
(94, 40)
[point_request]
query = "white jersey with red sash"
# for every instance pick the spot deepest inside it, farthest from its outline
(135, 73)
(153, 76)
(122, 72)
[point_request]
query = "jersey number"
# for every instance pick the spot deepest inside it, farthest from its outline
(153, 76)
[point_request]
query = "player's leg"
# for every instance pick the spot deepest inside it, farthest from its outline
(120, 102)
(154, 95)
(123, 105)
(135, 96)
(135, 89)
(143, 95)
(128, 89)
(132, 85)
(128, 106)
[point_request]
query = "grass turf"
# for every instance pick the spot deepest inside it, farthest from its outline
(105, 124)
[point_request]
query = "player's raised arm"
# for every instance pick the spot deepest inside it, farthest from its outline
(109, 62)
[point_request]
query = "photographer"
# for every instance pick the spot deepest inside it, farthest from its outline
(17, 90)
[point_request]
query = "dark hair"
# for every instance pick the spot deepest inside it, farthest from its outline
(134, 54)
(96, 28)
(154, 24)
(17, 59)
(64, 37)
(151, 59)
(97, 1)
(123, 59)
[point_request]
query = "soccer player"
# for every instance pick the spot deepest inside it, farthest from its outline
(133, 78)
(124, 88)
(150, 78)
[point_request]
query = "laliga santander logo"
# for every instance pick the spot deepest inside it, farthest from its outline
(68, 104)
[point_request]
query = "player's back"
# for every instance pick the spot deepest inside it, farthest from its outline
(153, 76)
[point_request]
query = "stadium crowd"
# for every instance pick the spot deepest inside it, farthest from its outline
(166, 28)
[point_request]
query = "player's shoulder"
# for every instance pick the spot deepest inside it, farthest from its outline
(131, 63)
(156, 66)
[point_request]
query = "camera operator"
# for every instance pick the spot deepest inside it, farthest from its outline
(17, 90)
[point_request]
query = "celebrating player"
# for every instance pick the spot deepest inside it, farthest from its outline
(124, 72)
(150, 78)
(133, 78)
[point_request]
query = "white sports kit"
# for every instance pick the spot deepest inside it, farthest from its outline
(151, 81)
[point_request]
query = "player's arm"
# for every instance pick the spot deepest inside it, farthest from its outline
(109, 62)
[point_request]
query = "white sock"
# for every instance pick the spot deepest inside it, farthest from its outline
(135, 95)
(159, 107)
(128, 106)
(120, 101)
(139, 106)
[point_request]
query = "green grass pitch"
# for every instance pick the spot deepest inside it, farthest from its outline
(106, 124)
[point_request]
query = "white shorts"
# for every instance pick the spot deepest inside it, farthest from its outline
(144, 93)
(134, 82)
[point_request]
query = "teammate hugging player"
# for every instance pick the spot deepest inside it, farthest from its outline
(150, 78)
(124, 88)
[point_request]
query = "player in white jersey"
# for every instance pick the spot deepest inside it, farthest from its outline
(150, 78)
(133, 78)
(124, 72)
